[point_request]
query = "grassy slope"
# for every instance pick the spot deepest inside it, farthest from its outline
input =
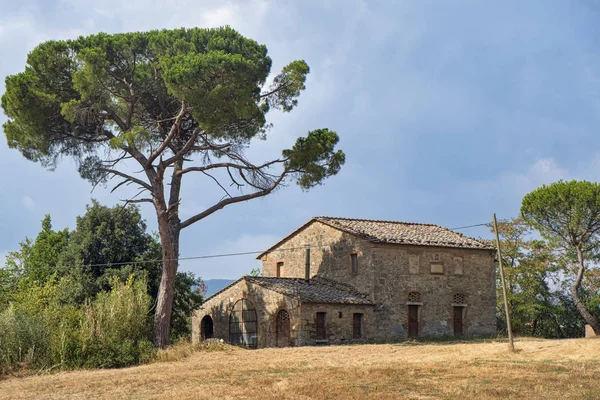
(540, 370)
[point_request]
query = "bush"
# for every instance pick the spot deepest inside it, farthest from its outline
(23, 339)
(116, 328)
(40, 332)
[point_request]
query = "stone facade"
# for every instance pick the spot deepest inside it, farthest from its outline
(446, 290)
(267, 304)
(387, 273)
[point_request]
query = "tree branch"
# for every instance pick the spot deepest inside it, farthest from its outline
(174, 130)
(232, 200)
(128, 177)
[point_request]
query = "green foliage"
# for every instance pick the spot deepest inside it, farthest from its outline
(567, 213)
(77, 96)
(533, 270)
(314, 158)
(37, 331)
(116, 330)
(255, 272)
(160, 99)
(189, 293)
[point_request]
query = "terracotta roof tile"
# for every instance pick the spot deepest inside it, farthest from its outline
(315, 290)
(403, 233)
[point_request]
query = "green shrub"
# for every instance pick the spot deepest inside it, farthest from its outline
(116, 328)
(40, 332)
(23, 339)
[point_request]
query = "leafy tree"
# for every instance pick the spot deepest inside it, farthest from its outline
(531, 269)
(189, 293)
(107, 243)
(37, 260)
(174, 102)
(112, 241)
(568, 215)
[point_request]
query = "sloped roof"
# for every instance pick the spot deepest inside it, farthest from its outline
(394, 232)
(315, 290)
(403, 233)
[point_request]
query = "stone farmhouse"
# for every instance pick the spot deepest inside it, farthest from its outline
(338, 280)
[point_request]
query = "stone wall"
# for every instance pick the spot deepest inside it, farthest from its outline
(339, 318)
(330, 257)
(457, 273)
(388, 273)
(338, 323)
(266, 302)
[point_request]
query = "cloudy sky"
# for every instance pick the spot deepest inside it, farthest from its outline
(446, 113)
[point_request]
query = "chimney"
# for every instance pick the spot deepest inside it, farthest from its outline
(307, 269)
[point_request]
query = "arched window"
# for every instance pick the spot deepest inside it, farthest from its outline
(414, 297)
(459, 298)
(206, 327)
(282, 328)
(243, 324)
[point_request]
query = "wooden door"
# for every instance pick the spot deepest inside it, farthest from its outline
(283, 328)
(413, 320)
(458, 321)
(320, 324)
(357, 326)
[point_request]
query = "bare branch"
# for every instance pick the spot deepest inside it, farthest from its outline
(128, 177)
(277, 89)
(223, 203)
(181, 153)
(248, 167)
(126, 181)
(174, 130)
(132, 201)
(217, 182)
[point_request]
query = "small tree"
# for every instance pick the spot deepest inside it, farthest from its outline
(568, 214)
(172, 102)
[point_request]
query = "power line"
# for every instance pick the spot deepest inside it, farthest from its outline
(245, 253)
(469, 226)
(188, 258)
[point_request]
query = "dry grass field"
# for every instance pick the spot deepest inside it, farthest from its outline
(545, 369)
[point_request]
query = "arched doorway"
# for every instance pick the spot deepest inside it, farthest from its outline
(243, 324)
(206, 327)
(282, 328)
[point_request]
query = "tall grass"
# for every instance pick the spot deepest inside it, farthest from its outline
(112, 331)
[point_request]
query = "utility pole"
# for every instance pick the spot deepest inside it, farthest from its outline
(510, 336)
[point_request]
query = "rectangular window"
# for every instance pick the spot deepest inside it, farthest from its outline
(357, 326)
(279, 268)
(320, 323)
(354, 259)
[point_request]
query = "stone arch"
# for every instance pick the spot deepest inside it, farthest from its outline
(283, 328)
(243, 324)
(206, 327)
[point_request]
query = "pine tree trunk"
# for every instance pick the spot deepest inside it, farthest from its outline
(169, 237)
(587, 316)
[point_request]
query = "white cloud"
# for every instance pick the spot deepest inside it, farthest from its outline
(28, 203)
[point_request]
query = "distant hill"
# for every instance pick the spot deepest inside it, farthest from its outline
(214, 285)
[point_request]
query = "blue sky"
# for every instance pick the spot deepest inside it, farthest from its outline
(447, 111)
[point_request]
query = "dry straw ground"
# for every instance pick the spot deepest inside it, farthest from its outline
(565, 369)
